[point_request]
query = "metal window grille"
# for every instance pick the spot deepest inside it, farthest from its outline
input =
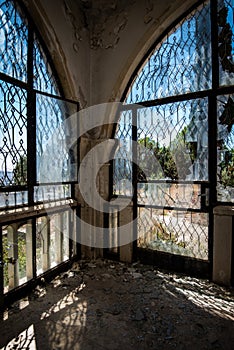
(32, 113)
(180, 102)
(32, 144)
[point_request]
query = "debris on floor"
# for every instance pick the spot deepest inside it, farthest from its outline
(110, 305)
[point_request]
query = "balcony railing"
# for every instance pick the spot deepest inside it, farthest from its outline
(34, 241)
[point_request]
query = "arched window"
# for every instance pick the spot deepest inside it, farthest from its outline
(179, 122)
(32, 109)
(37, 164)
(174, 66)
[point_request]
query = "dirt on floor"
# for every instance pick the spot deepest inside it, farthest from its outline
(108, 305)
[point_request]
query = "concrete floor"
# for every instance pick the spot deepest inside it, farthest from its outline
(108, 305)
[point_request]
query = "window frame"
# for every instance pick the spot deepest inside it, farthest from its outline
(31, 94)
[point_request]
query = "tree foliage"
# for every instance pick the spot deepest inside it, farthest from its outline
(172, 161)
(225, 41)
(20, 171)
(163, 161)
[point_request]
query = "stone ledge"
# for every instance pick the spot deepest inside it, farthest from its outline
(224, 210)
(39, 209)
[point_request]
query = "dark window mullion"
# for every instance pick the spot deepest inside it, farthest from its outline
(1, 273)
(134, 177)
(212, 116)
(31, 120)
(212, 127)
(214, 44)
(31, 138)
(34, 248)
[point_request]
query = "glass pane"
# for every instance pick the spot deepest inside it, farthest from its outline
(13, 199)
(176, 232)
(51, 193)
(181, 63)
(13, 135)
(173, 141)
(225, 41)
(165, 194)
(42, 245)
(17, 255)
(55, 240)
(13, 41)
(44, 79)
(122, 176)
(5, 248)
(52, 243)
(65, 235)
(225, 149)
(56, 156)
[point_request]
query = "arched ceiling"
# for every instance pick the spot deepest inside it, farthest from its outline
(97, 44)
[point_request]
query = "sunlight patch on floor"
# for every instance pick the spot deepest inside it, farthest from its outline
(69, 299)
(24, 341)
(210, 303)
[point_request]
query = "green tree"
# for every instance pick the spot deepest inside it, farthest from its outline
(162, 166)
(166, 161)
(184, 152)
(227, 169)
(227, 164)
(225, 40)
(20, 171)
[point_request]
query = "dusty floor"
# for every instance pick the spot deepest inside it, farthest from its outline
(108, 305)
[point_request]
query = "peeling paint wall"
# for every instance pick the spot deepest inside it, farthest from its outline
(143, 21)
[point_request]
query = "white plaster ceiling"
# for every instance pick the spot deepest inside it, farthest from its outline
(96, 44)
